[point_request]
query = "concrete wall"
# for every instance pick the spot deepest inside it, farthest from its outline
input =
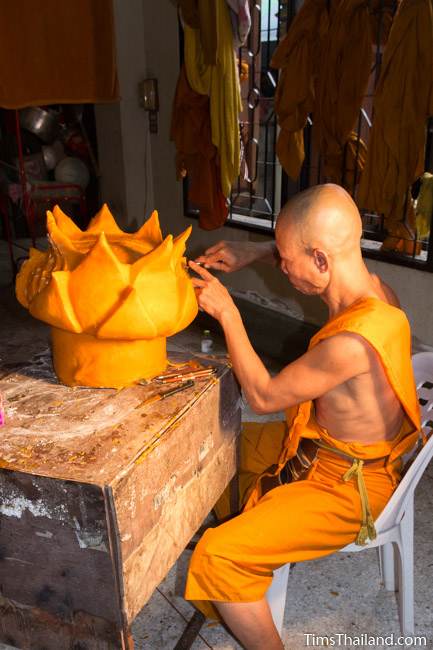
(158, 55)
(126, 182)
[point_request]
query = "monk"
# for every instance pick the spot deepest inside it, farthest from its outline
(352, 393)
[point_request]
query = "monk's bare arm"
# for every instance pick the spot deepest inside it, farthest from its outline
(321, 369)
(231, 256)
(329, 364)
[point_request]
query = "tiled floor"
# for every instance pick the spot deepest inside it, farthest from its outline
(338, 594)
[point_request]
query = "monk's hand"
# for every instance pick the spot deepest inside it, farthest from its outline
(230, 256)
(212, 296)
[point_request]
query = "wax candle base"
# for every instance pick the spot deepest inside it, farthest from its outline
(84, 360)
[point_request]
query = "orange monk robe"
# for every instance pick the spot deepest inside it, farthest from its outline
(381, 17)
(221, 83)
(402, 104)
(295, 57)
(201, 15)
(353, 159)
(316, 516)
(196, 155)
(322, 72)
(344, 65)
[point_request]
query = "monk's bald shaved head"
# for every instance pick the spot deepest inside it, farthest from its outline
(323, 217)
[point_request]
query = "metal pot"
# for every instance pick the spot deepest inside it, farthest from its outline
(40, 122)
(53, 154)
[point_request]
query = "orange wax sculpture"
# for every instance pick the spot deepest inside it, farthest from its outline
(110, 297)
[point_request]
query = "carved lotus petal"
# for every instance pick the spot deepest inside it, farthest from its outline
(108, 283)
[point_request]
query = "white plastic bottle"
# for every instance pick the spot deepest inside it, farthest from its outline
(206, 343)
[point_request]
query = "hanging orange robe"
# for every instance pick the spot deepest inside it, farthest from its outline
(340, 87)
(403, 102)
(221, 83)
(322, 73)
(325, 63)
(196, 155)
(316, 516)
(295, 56)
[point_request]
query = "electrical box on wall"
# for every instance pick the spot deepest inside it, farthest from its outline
(149, 100)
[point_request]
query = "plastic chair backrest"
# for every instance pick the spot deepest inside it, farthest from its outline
(418, 461)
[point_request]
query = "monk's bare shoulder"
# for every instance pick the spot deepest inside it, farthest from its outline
(384, 291)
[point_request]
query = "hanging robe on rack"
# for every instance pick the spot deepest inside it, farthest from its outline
(340, 87)
(196, 155)
(295, 57)
(322, 72)
(221, 83)
(403, 102)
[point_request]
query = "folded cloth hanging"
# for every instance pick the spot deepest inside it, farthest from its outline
(221, 83)
(403, 102)
(323, 73)
(381, 17)
(296, 57)
(341, 85)
(241, 20)
(201, 15)
(57, 52)
(196, 155)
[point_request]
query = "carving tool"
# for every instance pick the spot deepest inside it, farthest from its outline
(167, 393)
(184, 376)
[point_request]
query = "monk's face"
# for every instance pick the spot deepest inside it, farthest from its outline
(301, 266)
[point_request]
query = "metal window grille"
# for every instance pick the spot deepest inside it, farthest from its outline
(262, 186)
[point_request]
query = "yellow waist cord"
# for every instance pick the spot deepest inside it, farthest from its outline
(367, 530)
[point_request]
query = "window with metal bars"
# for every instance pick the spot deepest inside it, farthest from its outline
(262, 186)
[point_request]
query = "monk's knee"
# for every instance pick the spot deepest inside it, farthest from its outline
(212, 553)
(210, 543)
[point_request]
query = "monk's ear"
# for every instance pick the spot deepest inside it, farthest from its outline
(320, 260)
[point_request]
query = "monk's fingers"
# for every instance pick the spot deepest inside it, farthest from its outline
(223, 255)
(215, 248)
(207, 263)
(204, 304)
(201, 259)
(197, 283)
(201, 271)
(198, 298)
(218, 266)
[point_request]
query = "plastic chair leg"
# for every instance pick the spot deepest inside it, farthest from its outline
(387, 566)
(276, 595)
(405, 594)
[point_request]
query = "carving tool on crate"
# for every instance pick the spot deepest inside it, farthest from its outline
(167, 393)
(185, 376)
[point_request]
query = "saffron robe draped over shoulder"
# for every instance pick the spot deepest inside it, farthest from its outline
(316, 516)
(387, 330)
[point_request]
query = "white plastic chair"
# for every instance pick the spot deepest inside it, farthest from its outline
(394, 526)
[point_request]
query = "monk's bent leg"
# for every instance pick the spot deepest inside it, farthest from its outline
(251, 624)
(259, 447)
(234, 562)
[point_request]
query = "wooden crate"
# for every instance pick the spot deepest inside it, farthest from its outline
(99, 495)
